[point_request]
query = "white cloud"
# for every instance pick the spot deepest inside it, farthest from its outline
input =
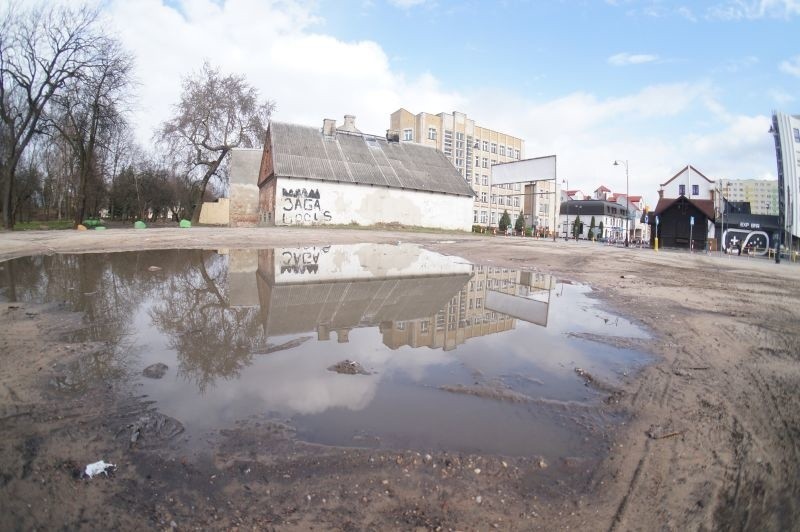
(754, 9)
(791, 66)
(309, 75)
(312, 76)
(625, 58)
(406, 4)
(780, 97)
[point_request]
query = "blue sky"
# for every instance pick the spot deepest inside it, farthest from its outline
(659, 83)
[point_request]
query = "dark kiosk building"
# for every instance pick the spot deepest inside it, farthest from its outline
(675, 217)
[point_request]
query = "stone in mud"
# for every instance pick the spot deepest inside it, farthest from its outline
(348, 367)
(155, 371)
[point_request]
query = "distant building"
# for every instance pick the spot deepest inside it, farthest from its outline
(761, 194)
(786, 131)
(611, 214)
(685, 211)
(315, 176)
(472, 149)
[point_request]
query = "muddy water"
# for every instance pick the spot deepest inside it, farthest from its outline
(452, 356)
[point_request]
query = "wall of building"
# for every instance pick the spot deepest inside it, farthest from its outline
(306, 202)
(762, 194)
(243, 177)
(786, 129)
(688, 178)
(215, 212)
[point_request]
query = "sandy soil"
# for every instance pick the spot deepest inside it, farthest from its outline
(713, 441)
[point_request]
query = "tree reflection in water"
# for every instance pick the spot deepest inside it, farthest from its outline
(211, 339)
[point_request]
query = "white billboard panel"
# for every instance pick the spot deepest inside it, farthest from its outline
(524, 171)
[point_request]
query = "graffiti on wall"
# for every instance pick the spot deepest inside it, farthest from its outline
(302, 261)
(302, 206)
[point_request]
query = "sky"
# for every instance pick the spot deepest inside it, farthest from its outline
(656, 83)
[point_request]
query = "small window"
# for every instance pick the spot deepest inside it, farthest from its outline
(475, 217)
(502, 150)
(695, 190)
(408, 134)
(432, 133)
(483, 197)
(681, 190)
(494, 147)
(485, 145)
(485, 162)
(485, 179)
(796, 134)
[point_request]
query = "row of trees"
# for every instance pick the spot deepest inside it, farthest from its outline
(67, 149)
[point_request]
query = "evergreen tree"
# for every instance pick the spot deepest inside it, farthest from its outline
(576, 227)
(505, 221)
(519, 225)
(601, 229)
(591, 229)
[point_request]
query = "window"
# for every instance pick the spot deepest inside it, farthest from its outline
(483, 217)
(494, 215)
(502, 150)
(494, 198)
(494, 147)
(459, 162)
(485, 178)
(477, 162)
(796, 134)
(483, 197)
(695, 190)
(408, 134)
(485, 145)
(432, 133)
(474, 216)
(681, 190)
(424, 325)
(516, 201)
(485, 163)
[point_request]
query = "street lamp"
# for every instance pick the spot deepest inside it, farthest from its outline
(627, 201)
(566, 207)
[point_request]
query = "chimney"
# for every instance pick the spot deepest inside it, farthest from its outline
(660, 193)
(349, 123)
(329, 127)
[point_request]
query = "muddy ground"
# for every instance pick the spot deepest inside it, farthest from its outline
(713, 439)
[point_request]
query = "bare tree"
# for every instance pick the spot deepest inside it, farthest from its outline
(87, 114)
(41, 49)
(215, 114)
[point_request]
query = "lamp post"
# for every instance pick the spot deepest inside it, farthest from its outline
(627, 201)
(566, 208)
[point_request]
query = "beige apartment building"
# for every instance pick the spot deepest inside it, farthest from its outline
(761, 193)
(472, 149)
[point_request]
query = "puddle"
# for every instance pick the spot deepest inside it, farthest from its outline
(450, 356)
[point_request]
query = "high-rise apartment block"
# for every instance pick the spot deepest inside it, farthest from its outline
(472, 149)
(760, 193)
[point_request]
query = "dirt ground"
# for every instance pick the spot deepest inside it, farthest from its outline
(713, 440)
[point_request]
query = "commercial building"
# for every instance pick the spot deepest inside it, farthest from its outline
(315, 176)
(609, 218)
(472, 149)
(786, 132)
(761, 194)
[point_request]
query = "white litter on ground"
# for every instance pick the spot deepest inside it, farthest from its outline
(97, 468)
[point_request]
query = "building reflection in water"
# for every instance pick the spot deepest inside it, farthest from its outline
(417, 298)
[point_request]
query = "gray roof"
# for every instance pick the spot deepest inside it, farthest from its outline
(303, 152)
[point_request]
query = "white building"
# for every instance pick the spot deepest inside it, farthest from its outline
(786, 131)
(330, 175)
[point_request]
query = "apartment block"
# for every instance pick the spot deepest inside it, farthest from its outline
(761, 193)
(472, 149)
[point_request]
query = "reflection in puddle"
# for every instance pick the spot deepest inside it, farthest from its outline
(454, 356)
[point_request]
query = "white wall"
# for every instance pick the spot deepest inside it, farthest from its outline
(320, 202)
(688, 178)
